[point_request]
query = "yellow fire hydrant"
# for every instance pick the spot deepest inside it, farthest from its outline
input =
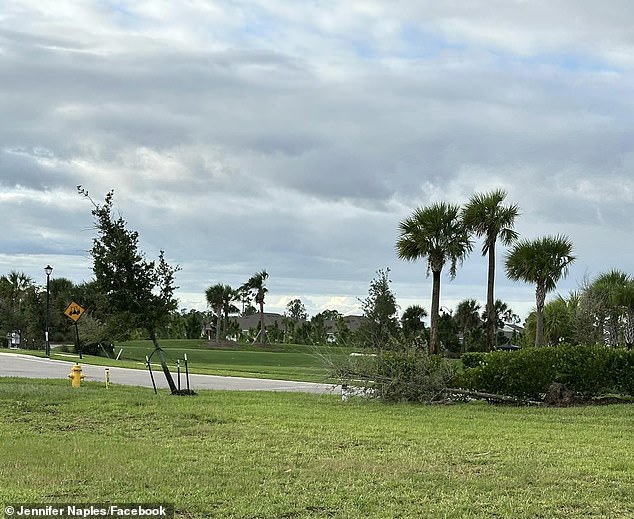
(76, 376)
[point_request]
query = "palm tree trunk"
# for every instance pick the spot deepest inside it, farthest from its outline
(435, 306)
(262, 330)
(225, 324)
(540, 298)
(629, 329)
(491, 320)
(218, 319)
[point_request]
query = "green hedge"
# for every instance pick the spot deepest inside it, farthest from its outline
(472, 359)
(588, 370)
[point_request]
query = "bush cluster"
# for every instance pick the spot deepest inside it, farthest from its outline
(587, 370)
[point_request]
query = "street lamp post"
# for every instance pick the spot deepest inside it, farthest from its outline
(47, 345)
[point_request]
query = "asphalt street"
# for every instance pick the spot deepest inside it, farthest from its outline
(28, 366)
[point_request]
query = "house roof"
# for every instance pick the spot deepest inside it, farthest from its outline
(353, 322)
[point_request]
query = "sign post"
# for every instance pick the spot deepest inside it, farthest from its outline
(74, 312)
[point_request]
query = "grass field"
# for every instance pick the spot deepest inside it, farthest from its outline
(285, 362)
(267, 455)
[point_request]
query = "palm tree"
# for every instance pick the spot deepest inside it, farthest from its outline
(502, 315)
(215, 296)
(486, 217)
(257, 284)
(606, 290)
(412, 322)
(542, 261)
(228, 298)
(437, 233)
(467, 318)
(16, 289)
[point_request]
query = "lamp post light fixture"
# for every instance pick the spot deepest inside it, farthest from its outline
(47, 345)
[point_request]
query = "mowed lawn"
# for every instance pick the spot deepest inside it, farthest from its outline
(270, 455)
(287, 362)
(284, 361)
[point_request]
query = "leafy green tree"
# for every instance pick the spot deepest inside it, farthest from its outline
(296, 310)
(93, 333)
(245, 298)
(295, 316)
(542, 261)
(588, 315)
(448, 334)
(302, 333)
(62, 292)
(438, 234)
(256, 284)
(343, 332)
(137, 291)
(488, 218)
(380, 329)
(318, 329)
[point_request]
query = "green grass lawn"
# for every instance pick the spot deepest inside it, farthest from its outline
(285, 362)
(269, 455)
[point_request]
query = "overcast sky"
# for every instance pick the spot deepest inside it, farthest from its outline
(293, 136)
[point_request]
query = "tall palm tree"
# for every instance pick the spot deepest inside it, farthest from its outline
(542, 261)
(257, 284)
(487, 217)
(437, 233)
(229, 296)
(216, 296)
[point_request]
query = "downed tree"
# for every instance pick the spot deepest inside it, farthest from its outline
(465, 394)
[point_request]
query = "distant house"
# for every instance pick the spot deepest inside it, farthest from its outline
(249, 322)
(511, 332)
(354, 322)
(275, 320)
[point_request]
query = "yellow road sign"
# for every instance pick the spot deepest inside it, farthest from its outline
(74, 311)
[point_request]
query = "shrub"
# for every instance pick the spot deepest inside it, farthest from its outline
(588, 370)
(472, 359)
(411, 376)
(98, 349)
(396, 376)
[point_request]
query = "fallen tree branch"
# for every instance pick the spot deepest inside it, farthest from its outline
(450, 392)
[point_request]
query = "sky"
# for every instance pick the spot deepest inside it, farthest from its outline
(294, 136)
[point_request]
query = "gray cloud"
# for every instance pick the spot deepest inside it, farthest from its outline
(294, 138)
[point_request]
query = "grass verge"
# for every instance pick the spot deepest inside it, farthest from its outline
(282, 362)
(268, 455)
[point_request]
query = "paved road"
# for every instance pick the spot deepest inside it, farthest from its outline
(17, 365)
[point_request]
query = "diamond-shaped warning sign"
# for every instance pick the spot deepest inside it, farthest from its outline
(74, 311)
